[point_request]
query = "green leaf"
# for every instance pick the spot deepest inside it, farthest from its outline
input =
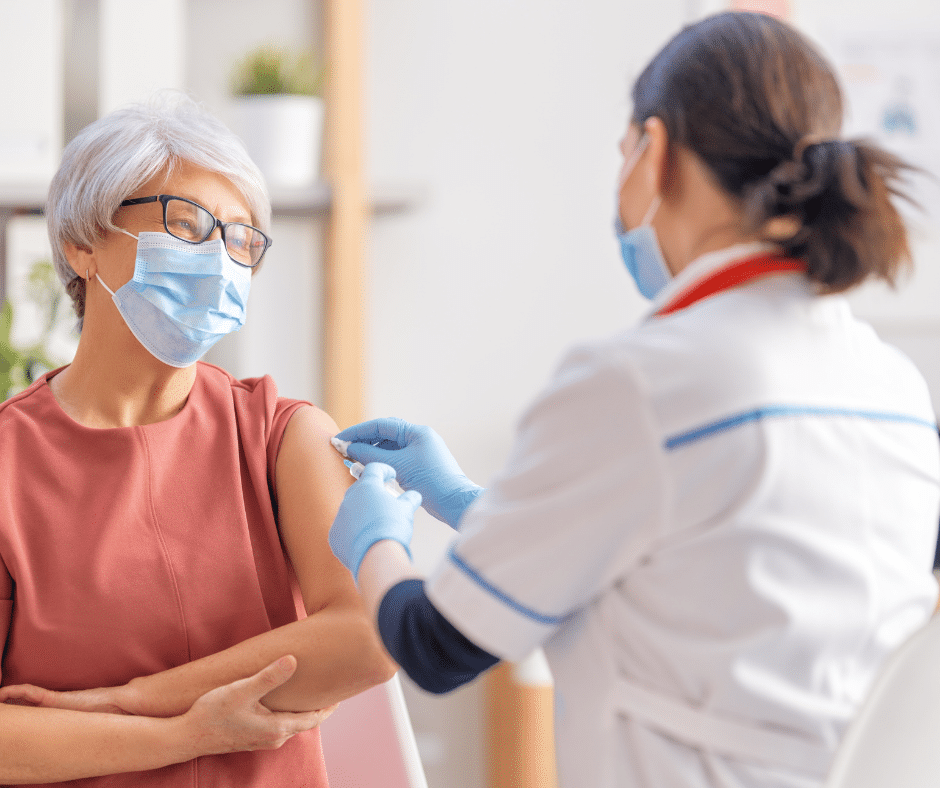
(274, 70)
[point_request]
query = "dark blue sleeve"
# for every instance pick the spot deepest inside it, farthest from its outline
(424, 643)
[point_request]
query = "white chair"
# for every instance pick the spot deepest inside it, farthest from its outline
(368, 741)
(894, 742)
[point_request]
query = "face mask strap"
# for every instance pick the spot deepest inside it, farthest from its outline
(135, 237)
(654, 206)
(657, 200)
(640, 147)
(104, 285)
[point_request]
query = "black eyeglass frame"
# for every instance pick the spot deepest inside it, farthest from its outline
(163, 199)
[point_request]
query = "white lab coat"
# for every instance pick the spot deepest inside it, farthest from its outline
(717, 524)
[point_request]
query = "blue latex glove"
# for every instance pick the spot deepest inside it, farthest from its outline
(422, 460)
(370, 513)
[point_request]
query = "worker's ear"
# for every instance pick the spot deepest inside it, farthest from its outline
(658, 166)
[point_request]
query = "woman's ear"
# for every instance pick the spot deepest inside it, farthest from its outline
(81, 259)
(658, 169)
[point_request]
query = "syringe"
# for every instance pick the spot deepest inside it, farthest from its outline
(355, 468)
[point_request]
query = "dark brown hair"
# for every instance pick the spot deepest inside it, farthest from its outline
(762, 109)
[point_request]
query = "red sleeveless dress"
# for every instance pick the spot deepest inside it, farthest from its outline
(137, 549)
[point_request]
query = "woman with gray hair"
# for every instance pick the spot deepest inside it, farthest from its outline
(163, 538)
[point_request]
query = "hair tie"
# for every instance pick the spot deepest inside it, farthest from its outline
(807, 141)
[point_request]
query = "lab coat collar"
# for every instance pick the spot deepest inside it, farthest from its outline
(706, 265)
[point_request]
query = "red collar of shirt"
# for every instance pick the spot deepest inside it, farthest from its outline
(731, 275)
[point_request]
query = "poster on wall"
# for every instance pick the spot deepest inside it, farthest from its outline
(891, 80)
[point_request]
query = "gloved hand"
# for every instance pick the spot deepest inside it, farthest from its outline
(421, 459)
(368, 514)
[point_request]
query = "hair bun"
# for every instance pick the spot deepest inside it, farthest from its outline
(834, 160)
(815, 165)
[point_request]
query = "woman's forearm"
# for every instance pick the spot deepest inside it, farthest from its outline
(50, 745)
(384, 565)
(40, 744)
(338, 653)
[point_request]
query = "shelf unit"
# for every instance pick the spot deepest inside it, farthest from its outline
(309, 203)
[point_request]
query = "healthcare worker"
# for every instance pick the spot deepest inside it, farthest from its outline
(720, 522)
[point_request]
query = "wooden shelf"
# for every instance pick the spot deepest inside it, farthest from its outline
(22, 196)
(309, 202)
(317, 200)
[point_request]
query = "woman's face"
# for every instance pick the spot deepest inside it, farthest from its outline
(116, 254)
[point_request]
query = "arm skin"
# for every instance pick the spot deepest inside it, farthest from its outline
(385, 565)
(40, 745)
(338, 651)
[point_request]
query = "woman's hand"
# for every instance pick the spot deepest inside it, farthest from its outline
(232, 718)
(421, 461)
(111, 700)
(233, 713)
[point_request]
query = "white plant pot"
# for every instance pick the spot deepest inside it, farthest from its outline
(283, 136)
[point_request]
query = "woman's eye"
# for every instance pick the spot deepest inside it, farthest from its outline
(183, 227)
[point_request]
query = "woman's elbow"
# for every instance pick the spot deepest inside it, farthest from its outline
(374, 663)
(359, 660)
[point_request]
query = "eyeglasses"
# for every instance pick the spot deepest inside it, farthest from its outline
(189, 221)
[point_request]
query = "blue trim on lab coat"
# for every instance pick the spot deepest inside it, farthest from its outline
(481, 581)
(777, 411)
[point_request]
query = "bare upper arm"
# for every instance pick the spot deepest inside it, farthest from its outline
(311, 481)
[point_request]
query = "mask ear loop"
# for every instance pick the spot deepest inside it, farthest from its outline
(657, 200)
(654, 206)
(635, 157)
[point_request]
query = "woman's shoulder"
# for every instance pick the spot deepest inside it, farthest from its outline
(260, 391)
(32, 403)
(218, 381)
(260, 412)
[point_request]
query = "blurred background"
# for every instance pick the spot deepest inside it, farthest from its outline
(454, 234)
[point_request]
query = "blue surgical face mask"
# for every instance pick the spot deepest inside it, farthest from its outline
(183, 297)
(639, 247)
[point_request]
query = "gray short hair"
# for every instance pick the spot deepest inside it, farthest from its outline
(114, 156)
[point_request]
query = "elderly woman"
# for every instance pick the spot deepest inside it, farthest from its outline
(164, 525)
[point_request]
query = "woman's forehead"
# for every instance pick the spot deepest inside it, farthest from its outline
(212, 190)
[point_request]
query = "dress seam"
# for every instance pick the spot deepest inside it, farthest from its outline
(194, 766)
(163, 545)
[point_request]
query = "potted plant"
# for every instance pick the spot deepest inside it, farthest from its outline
(278, 113)
(50, 343)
